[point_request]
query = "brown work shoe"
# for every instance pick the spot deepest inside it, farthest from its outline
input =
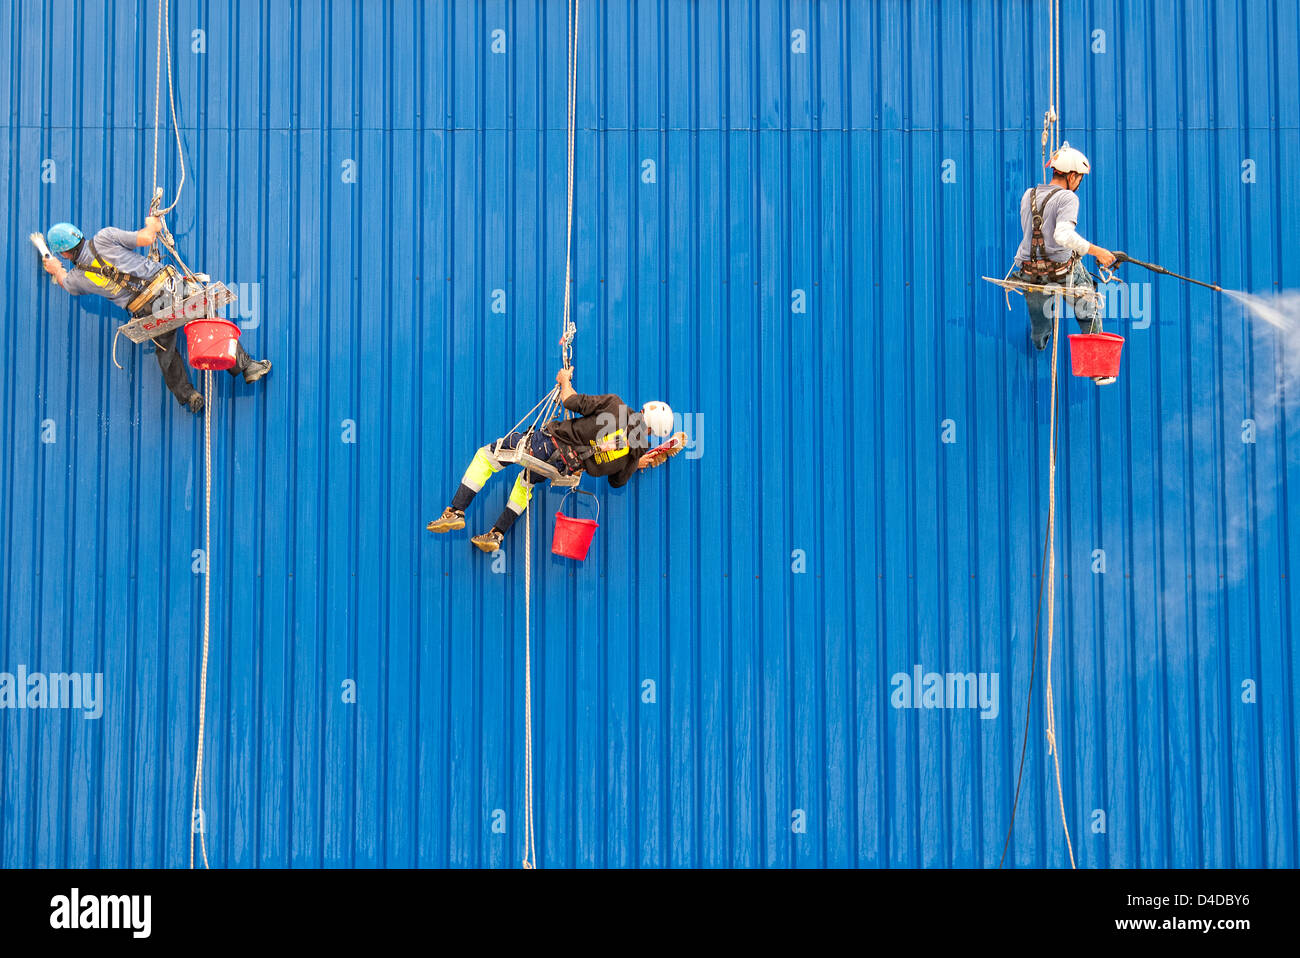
(489, 541)
(449, 520)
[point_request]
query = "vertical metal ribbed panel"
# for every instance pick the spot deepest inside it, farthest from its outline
(782, 213)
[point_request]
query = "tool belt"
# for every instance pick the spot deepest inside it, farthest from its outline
(1048, 271)
(161, 282)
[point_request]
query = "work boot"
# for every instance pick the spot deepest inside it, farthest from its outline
(256, 370)
(449, 520)
(489, 541)
(195, 402)
(1103, 380)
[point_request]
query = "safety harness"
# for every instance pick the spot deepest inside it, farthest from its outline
(1039, 267)
(612, 445)
(146, 290)
(565, 456)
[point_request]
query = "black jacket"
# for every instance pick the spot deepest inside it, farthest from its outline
(607, 439)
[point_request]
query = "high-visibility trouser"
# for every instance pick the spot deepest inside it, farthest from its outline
(520, 495)
(481, 468)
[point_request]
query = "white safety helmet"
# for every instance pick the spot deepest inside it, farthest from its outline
(658, 418)
(1069, 160)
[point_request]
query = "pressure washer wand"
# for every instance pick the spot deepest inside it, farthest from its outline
(1125, 258)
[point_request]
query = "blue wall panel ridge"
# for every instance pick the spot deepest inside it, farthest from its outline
(804, 642)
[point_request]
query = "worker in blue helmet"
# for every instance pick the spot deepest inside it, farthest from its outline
(110, 265)
(1051, 250)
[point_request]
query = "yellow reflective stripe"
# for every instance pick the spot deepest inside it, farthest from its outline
(480, 470)
(612, 446)
(519, 496)
(97, 278)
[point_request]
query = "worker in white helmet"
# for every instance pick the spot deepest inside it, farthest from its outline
(607, 439)
(1051, 251)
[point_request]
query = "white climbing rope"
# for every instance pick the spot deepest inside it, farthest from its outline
(1052, 746)
(1051, 138)
(1054, 59)
(1051, 127)
(566, 337)
(196, 803)
(164, 27)
(164, 13)
(530, 851)
(164, 18)
(550, 405)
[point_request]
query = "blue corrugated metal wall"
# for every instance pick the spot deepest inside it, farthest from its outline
(391, 189)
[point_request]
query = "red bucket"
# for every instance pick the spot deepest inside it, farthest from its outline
(1095, 354)
(572, 537)
(212, 342)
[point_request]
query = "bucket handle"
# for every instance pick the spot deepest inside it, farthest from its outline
(581, 492)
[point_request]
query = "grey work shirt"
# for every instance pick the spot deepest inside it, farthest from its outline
(1060, 214)
(119, 249)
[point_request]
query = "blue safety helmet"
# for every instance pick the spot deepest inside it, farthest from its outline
(62, 237)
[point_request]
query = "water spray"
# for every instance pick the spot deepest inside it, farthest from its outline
(1283, 312)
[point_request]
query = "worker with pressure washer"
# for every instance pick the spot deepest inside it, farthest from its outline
(606, 439)
(1051, 250)
(110, 265)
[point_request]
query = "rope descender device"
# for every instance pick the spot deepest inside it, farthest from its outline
(566, 342)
